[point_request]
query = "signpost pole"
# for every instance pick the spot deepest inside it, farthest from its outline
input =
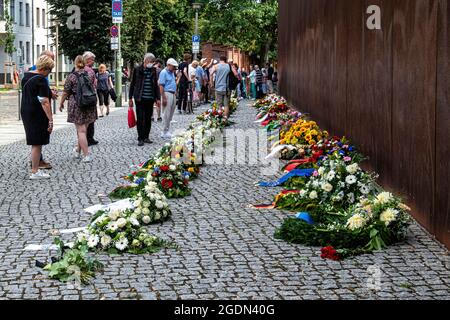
(119, 73)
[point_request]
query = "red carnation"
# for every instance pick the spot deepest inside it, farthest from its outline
(165, 168)
(167, 184)
(186, 182)
(329, 253)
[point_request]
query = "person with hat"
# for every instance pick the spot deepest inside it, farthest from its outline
(168, 88)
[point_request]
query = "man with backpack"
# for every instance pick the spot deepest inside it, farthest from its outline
(226, 80)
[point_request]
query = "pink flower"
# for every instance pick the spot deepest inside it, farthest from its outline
(347, 159)
(316, 173)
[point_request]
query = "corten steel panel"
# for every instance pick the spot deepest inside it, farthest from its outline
(376, 110)
(441, 217)
(386, 101)
(414, 102)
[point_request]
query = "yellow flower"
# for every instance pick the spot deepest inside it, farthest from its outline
(191, 170)
(312, 142)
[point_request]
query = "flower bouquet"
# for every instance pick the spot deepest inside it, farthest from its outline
(369, 225)
(171, 178)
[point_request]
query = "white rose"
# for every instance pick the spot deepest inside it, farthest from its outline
(159, 204)
(138, 211)
(146, 211)
(302, 193)
(114, 215)
(327, 187)
(146, 219)
(146, 204)
(121, 222)
(313, 195)
(165, 213)
(105, 240)
(172, 167)
(134, 222)
(157, 216)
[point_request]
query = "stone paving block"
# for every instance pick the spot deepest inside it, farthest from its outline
(227, 251)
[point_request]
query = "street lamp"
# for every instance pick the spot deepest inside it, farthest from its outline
(196, 6)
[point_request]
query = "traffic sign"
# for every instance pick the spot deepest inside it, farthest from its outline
(195, 38)
(114, 40)
(117, 11)
(114, 31)
(114, 46)
(196, 47)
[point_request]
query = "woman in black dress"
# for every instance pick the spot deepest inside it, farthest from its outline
(36, 112)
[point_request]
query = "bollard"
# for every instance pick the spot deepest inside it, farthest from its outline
(19, 97)
(54, 106)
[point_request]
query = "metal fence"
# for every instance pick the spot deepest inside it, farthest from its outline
(387, 90)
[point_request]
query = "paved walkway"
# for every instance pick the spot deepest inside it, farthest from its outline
(226, 249)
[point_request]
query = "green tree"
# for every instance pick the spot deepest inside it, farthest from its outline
(93, 34)
(163, 27)
(7, 41)
(250, 25)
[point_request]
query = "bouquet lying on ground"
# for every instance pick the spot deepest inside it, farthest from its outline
(339, 206)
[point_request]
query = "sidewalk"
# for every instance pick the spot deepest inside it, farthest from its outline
(12, 130)
(227, 250)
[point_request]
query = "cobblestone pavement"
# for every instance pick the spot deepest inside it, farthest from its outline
(227, 250)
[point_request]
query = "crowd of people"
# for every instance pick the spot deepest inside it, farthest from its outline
(156, 91)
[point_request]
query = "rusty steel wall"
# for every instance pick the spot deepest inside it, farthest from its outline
(387, 90)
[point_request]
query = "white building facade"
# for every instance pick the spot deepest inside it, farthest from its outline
(32, 35)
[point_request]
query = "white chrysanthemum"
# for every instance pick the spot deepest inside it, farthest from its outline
(383, 198)
(82, 236)
(157, 216)
(353, 168)
(146, 219)
(121, 222)
(331, 175)
(159, 204)
(357, 221)
(122, 244)
(351, 179)
(313, 195)
(327, 187)
(151, 196)
(105, 241)
(93, 241)
(388, 216)
(146, 211)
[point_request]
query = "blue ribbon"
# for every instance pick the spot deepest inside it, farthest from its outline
(305, 216)
(294, 173)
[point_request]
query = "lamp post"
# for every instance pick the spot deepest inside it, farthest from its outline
(196, 6)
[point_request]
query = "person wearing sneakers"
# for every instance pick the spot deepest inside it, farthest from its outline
(81, 117)
(36, 112)
(168, 89)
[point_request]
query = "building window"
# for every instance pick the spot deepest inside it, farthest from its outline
(43, 18)
(43, 48)
(27, 14)
(38, 17)
(12, 10)
(28, 52)
(21, 51)
(38, 50)
(21, 13)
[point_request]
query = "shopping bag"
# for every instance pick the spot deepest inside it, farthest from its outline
(131, 118)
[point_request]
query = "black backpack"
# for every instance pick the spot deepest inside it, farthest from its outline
(233, 81)
(86, 95)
